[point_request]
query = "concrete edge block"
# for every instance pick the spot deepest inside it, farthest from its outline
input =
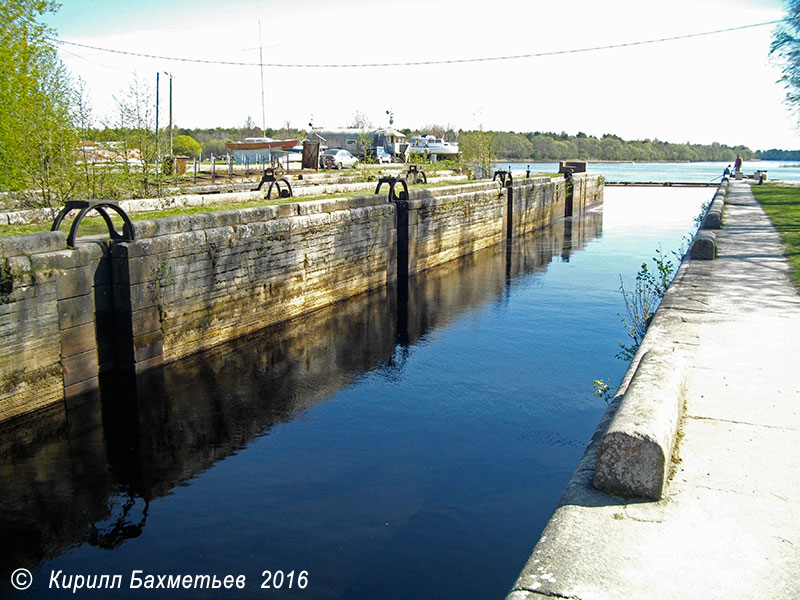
(712, 220)
(634, 454)
(713, 217)
(704, 246)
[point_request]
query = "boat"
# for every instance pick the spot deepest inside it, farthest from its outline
(255, 149)
(432, 146)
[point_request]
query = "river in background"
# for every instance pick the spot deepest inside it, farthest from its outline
(410, 443)
(694, 172)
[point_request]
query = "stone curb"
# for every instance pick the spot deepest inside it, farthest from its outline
(713, 218)
(704, 246)
(634, 454)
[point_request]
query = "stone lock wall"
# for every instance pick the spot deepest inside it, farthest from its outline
(189, 283)
(537, 202)
(54, 305)
(439, 225)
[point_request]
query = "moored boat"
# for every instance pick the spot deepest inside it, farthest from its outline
(432, 146)
(254, 149)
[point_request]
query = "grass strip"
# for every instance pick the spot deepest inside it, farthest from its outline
(94, 225)
(782, 205)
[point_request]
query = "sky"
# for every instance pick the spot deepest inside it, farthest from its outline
(716, 88)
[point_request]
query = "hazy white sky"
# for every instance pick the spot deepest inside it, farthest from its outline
(713, 88)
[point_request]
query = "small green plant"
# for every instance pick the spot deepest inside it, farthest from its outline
(698, 220)
(602, 390)
(6, 282)
(641, 302)
(164, 274)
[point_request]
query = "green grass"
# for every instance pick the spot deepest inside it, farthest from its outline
(95, 225)
(782, 205)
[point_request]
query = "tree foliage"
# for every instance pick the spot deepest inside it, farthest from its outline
(477, 151)
(561, 146)
(186, 145)
(38, 136)
(786, 49)
(359, 120)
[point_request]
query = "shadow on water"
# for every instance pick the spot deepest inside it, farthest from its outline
(89, 475)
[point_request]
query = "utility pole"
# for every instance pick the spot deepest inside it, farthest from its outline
(170, 111)
(158, 153)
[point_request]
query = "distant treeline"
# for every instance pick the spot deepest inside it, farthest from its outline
(534, 146)
(561, 146)
(775, 154)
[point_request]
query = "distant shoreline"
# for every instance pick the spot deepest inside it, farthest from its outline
(628, 162)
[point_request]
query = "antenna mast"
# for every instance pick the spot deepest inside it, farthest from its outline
(261, 64)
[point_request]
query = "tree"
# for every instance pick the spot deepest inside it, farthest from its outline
(186, 145)
(136, 140)
(476, 151)
(38, 138)
(446, 132)
(216, 147)
(359, 121)
(786, 48)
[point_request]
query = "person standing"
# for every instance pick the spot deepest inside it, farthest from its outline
(737, 165)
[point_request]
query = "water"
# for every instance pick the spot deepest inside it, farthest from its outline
(694, 172)
(407, 444)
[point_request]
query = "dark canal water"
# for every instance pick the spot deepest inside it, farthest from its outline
(409, 444)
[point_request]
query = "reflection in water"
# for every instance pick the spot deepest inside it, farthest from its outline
(121, 528)
(90, 476)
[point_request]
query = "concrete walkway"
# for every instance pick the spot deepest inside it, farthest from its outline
(728, 525)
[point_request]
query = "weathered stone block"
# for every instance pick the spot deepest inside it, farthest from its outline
(146, 229)
(147, 345)
(257, 213)
(143, 247)
(61, 259)
(147, 364)
(216, 219)
(90, 251)
(79, 367)
(712, 220)
(134, 270)
(74, 282)
(102, 298)
(145, 321)
(77, 340)
(33, 243)
(77, 391)
(75, 311)
(104, 326)
(286, 210)
(220, 236)
(634, 454)
(135, 297)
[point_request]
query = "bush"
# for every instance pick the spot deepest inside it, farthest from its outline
(186, 145)
(216, 147)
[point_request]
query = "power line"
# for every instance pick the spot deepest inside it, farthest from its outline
(419, 63)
